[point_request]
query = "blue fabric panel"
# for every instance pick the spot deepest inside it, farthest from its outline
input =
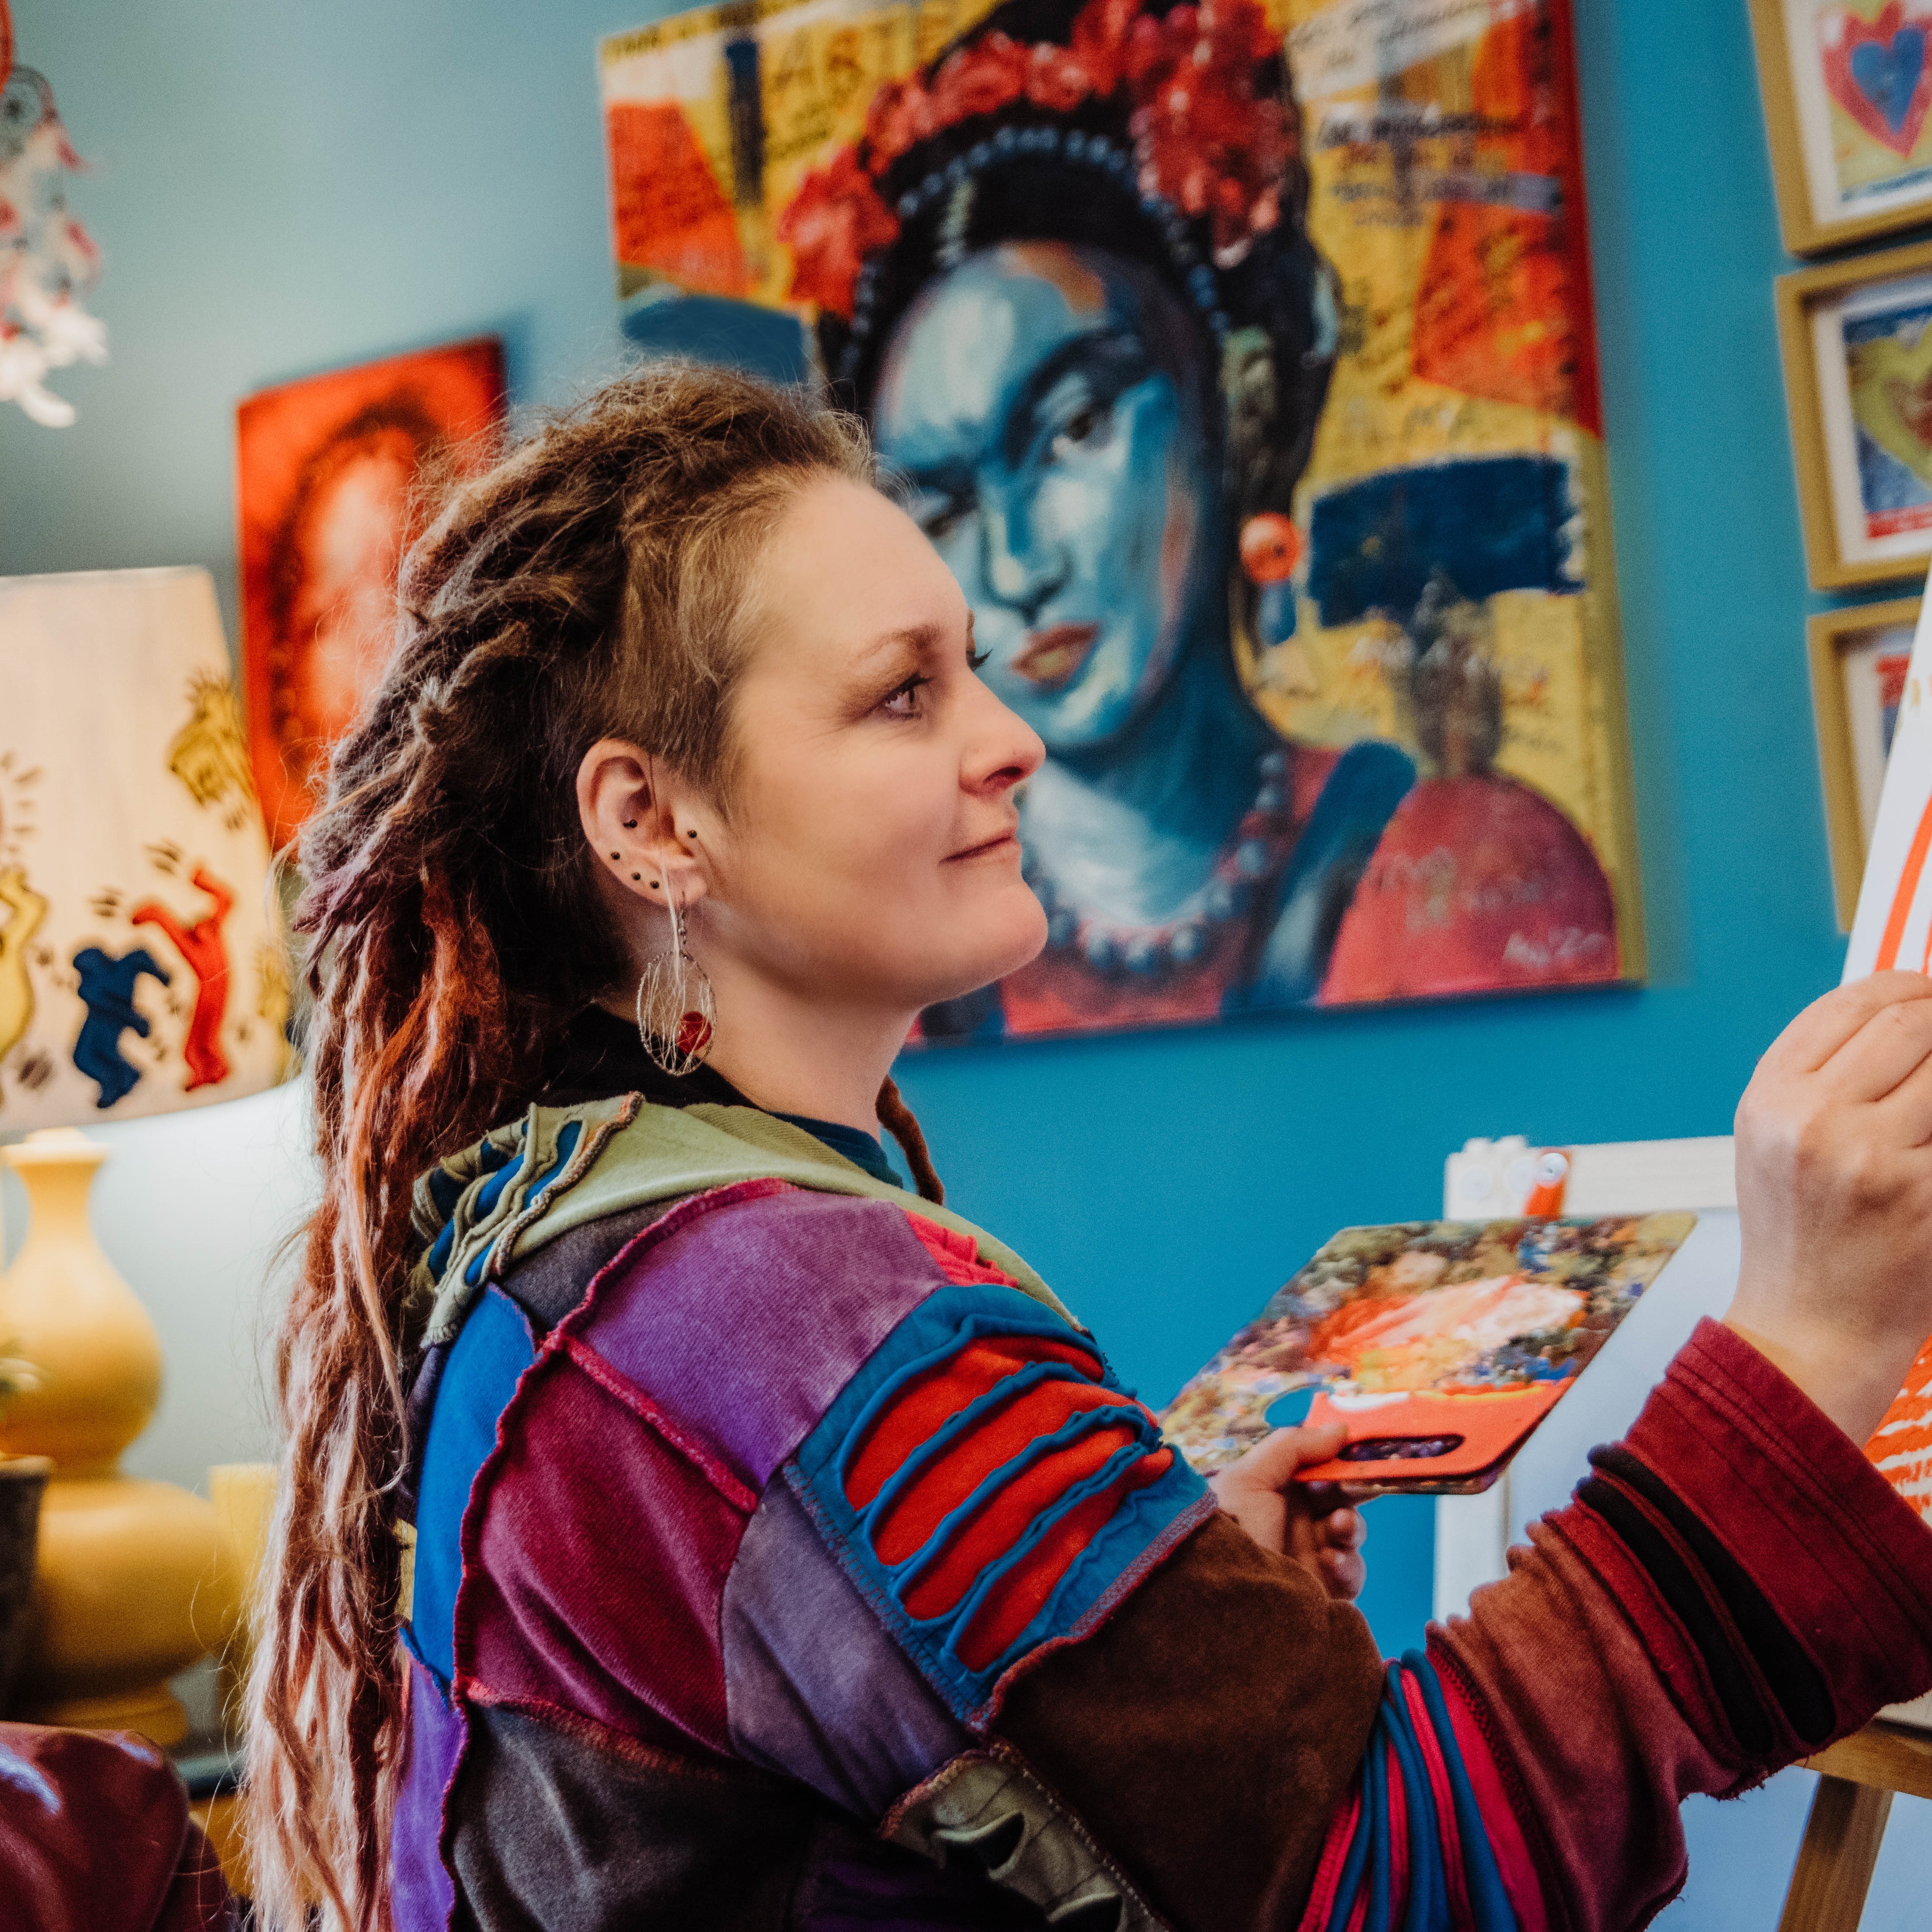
(493, 1192)
(485, 1361)
(937, 1328)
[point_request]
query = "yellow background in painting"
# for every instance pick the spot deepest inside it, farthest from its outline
(1560, 657)
(820, 64)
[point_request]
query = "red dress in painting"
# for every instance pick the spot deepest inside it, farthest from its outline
(1477, 883)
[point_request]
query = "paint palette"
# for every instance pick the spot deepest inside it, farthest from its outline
(1441, 1344)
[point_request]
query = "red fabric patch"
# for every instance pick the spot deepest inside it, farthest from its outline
(1006, 1516)
(932, 1399)
(1021, 1593)
(957, 1254)
(1006, 1433)
(551, 1607)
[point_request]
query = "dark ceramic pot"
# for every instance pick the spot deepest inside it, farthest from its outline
(23, 1480)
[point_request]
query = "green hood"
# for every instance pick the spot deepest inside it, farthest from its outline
(524, 1183)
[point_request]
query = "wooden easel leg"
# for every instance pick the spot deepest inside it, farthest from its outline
(1834, 1863)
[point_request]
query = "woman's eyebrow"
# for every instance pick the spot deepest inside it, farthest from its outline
(918, 639)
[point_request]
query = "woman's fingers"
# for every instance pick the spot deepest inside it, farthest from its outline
(1342, 1573)
(1894, 1041)
(1906, 1111)
(1344, 1530)
(1830, 1021)
(1834, 1193)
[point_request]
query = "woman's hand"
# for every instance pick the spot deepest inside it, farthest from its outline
(1834, 1195)
(1316, 1523)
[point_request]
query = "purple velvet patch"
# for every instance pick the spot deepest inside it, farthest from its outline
(744, 1322)
(424, 1894)
(816, 1688)
(595, 1556)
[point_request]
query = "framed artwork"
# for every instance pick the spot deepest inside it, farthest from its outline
(1858, 377)
(1859, 660)
(1846, 86)
(1241, 363)
(327, 475)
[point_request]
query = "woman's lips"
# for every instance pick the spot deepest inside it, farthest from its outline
(1053, 657)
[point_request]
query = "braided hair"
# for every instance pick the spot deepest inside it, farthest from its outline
(592, 584)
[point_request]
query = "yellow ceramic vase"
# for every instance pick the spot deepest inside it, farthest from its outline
(121, 1562)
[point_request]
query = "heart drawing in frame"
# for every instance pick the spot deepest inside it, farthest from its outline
(1878, 71)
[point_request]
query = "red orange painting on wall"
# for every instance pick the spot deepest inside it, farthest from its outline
(327, 471)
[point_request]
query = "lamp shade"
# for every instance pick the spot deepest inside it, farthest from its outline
(142, 962)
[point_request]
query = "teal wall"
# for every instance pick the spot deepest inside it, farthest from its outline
(282, 187)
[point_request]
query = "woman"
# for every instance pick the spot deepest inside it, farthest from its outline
(682, 1525)
(1065, 278)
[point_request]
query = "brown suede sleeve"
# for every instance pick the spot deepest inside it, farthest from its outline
(1205, 1732)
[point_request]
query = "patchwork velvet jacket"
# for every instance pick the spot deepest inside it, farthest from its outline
(782, 1554)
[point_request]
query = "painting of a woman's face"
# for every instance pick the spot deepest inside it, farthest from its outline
(1043, 401)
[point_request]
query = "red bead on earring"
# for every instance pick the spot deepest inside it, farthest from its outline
(1270, 547)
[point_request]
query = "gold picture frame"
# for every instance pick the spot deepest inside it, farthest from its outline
(1859, 659)
(1851, 159)
(1853, 335)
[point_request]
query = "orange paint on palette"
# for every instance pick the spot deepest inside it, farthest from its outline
(1908, 891)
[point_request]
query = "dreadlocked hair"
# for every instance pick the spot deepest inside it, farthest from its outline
(592, 584)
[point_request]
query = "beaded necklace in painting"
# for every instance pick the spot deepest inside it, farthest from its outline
(1253, 854)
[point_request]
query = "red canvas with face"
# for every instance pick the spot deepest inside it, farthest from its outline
(326, 468)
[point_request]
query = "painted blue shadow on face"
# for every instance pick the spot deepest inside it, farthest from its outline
(1492, 524)
(759, 341)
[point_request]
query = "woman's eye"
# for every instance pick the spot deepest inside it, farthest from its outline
(975, 658)
(1088, 426)
(905, 702)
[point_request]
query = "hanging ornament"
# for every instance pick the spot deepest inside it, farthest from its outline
(47, 262)
(1270, 547)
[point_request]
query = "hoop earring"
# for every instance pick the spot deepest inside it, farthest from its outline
(676, 1009)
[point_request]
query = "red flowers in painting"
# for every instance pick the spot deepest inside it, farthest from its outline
(835, 220)
(1205, 140)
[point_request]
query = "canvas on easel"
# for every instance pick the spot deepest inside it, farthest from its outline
(1893, 929)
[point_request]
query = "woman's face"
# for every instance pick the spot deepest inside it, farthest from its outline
(1042, 401)
(869, 859)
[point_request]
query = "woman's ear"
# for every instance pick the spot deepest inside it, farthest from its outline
(629, 806)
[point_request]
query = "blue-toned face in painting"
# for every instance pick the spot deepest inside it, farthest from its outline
(1043, 399)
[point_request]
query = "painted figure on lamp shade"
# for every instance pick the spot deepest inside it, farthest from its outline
(1065, 277)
